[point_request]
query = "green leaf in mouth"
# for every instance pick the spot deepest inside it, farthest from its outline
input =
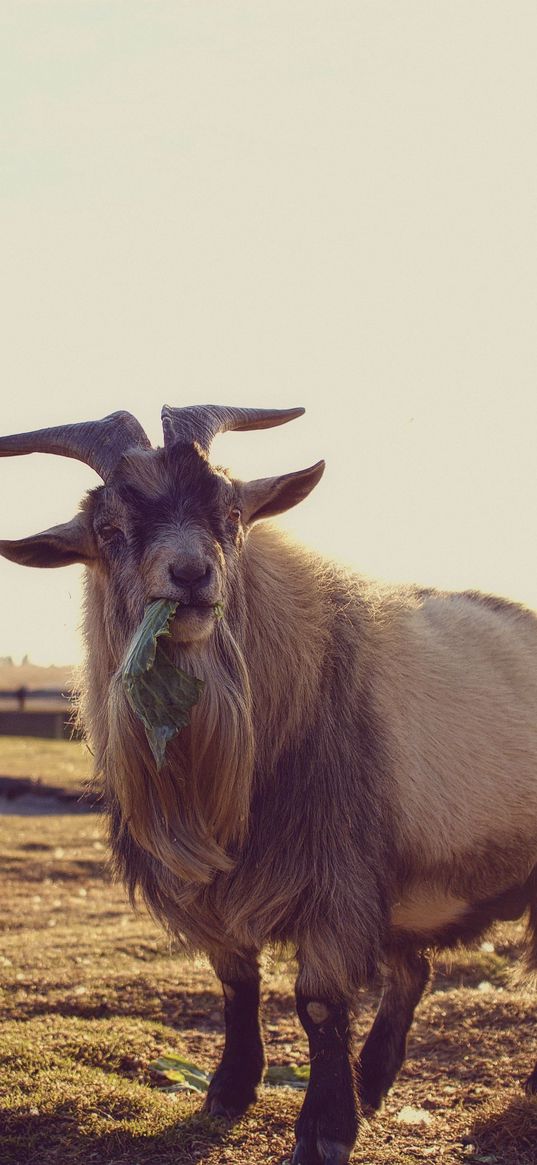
(159, 693)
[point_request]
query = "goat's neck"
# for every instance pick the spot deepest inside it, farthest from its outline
(284, 637)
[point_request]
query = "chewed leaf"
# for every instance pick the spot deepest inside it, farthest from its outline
(157, 739)
(142, 651)
(159, 693)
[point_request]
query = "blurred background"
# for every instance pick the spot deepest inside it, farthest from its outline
(325, 204)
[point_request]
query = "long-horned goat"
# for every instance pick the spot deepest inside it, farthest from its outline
(359, 778)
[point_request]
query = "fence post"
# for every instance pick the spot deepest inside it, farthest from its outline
(20, 696)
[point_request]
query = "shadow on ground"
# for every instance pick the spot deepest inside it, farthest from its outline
(54, 1137)
(31, 797)
(508, 1134)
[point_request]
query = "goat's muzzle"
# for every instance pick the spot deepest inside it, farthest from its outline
(194, 619)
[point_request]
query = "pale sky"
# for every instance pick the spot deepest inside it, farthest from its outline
(279, 203)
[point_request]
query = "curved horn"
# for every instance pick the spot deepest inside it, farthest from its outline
(201, 423)
(99, 444)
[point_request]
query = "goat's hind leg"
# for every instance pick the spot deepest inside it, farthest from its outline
(234, 1085)
(385, 1047)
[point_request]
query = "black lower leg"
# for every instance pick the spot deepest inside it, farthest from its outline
(234, 1084)
(385, 1047)
(328, 1123)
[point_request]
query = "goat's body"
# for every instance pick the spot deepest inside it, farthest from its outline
(394, 792)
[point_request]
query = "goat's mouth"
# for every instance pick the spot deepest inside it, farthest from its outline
(194, 621)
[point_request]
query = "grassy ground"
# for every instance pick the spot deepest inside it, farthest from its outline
(65, 764)
(91, 995)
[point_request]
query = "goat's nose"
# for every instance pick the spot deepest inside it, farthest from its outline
(191, 574)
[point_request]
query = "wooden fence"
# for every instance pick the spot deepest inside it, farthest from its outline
(45, 712)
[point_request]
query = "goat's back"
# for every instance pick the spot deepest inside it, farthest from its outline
(457, 689)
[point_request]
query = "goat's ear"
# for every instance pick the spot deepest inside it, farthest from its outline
(59, 546)
(274, 495)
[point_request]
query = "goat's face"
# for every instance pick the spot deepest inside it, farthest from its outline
(166, 524)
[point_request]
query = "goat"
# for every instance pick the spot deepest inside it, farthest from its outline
(358, 778)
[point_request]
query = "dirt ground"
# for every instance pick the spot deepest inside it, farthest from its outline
(91, 994)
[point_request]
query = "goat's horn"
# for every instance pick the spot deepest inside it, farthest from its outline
(201, 423)
(99, 444)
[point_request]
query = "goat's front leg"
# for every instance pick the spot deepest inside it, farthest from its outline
(328, 1123)
(234, 1084)
(384, 1050)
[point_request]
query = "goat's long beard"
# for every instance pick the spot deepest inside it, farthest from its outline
(193, 813)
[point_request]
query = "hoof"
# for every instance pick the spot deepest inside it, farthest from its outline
(323, 1152)
(371, 1110)
(233, 1089)
(372, 1103)
(372, 1091)
(215, 1107)
(228, 1107)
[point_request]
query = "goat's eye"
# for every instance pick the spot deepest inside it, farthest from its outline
(235, 514)
(107, 532)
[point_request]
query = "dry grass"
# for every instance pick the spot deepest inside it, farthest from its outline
(65, 764)
(91, 994)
